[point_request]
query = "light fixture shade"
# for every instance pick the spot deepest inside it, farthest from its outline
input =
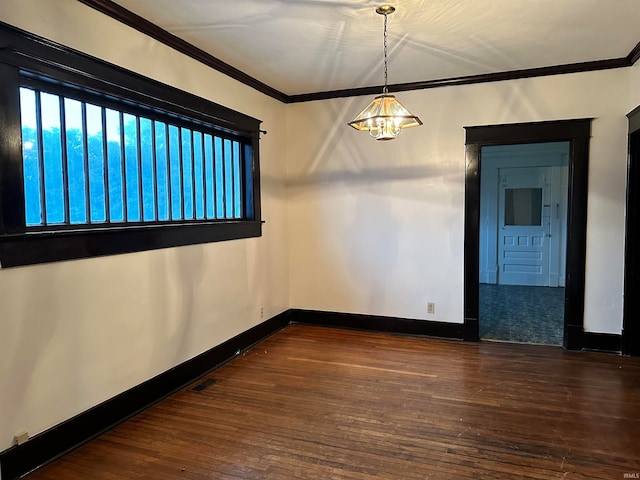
(384, 118)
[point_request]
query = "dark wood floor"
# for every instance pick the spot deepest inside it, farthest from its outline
(319, 403)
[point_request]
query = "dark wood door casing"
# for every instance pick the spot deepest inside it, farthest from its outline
(631, 306)
(577, 133)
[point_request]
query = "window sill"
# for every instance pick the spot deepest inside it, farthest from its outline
(44, 247)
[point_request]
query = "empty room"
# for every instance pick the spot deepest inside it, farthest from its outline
(318, 239)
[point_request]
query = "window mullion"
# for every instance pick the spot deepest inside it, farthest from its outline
(215, 178)
(125, 206)
(167, 149)
(181, 172)
(233, 180)
(203, 159)
(40, 137)
(85, 161)
(105, 156)
(139, 161)
(224, 178)
(241, 176)
(154, 171)
(237, 184)
(193, 175)
(63, 160)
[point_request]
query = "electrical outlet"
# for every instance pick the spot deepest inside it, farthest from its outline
(431, 308)
(21, 437)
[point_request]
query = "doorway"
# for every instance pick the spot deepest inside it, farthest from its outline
(577, 134)
(631, 308)
(523, 212)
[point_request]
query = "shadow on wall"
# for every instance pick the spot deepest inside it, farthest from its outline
(189, 265)
(373, 239)
(333, 153)
(26, 344)
(367, 176)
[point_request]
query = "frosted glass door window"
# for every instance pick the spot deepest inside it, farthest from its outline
(523, 206)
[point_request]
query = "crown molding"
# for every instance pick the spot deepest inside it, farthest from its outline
(121, 14)
(467, 80)
(152, 30)
(634, 55)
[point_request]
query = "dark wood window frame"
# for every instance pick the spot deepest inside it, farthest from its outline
(23, 55)
(577, 133)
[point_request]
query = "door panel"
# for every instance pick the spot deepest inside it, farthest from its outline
(523, 226)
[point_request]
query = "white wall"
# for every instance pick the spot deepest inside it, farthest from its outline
(377, 228)
(73, 334)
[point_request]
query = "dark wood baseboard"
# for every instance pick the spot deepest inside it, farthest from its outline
(471, 330)
(575, 338)
(630, 344)
(602, 342)
(55, 442)
(378, 323)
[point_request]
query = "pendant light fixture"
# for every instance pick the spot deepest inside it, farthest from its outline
(385, 116)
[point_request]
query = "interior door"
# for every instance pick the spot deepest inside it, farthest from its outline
(524, 216)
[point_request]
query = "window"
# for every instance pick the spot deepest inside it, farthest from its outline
(523, 206)
(111, 162)
(86, 164)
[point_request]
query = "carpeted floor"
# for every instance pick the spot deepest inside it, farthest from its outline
(515, 313)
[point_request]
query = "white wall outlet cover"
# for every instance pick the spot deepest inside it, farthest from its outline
(21, 437)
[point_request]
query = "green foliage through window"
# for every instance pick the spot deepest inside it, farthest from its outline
(90, 164)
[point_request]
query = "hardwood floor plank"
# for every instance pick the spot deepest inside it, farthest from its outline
(368, 367)
(317, 403)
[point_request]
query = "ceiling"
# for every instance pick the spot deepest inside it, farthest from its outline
(306, 46)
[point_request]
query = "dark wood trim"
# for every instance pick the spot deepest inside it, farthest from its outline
(577, 132)
(121, 14)
(631, 304)
(253, 195)
(11, 180)
(55, 442)
(602, 342)
(634, 120)
(466, 80)
(152, 30)
(30, 249)
(43, 60)
(471, 329)
(28, 59)
(576, 233)
(634, 55)
(516, 133)
(472, 240)
(573, 334)
(378, 323)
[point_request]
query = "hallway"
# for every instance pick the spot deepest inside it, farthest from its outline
(515, 313)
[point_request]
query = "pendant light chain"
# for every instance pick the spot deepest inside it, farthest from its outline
(386, 71)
